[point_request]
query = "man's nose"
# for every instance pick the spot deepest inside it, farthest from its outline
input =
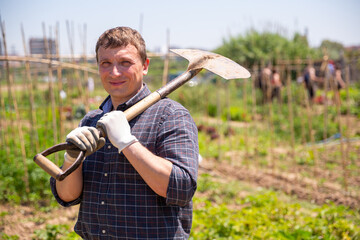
(115, 71)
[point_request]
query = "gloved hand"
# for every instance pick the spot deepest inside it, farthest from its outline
(86, 139)
(117, 129)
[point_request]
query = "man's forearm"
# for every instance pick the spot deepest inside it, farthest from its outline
(71, 187)
(153, 169)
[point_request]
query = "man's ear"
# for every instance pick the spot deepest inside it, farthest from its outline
(146, 66)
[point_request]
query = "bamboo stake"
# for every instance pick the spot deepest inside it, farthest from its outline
(228, 114)
(86, 75)
(60, 85)
(166, 62)
(291, 114)
(17, 115)
(51, 92)
(34, 134)
(338, 113)
(271, 124)
(347, 83)
(218, 113)
(253, 93)
(48, 61)
(71, 44)
(3, 125)
(303, 97)
(324, 68)
(246, 134)
(311, 131)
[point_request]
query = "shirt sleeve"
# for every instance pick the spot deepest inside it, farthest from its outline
(178, 142)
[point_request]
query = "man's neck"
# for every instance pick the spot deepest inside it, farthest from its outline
(117, 102)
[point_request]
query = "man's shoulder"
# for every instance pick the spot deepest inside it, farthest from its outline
(170, 106)
(91, 117)
(169, 110)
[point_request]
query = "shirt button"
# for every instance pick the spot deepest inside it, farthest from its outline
(102, 202)
(105, 174)
(109, 146)
(103, 231)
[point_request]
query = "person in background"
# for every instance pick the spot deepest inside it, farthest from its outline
(265, 83)
(276, 85)
(138, 182)
(309, 80)
(338, 82)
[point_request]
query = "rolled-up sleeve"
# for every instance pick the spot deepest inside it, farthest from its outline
(58, 199)
(178, 140)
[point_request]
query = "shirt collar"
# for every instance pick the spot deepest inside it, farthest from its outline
(107, 106)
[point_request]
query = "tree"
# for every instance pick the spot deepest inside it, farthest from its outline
(334, 50)
(266, 47)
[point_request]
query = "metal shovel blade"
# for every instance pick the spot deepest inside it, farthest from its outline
(220, 65)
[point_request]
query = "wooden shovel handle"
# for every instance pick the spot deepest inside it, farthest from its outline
(49, 167)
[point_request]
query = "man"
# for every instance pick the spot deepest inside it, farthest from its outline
(309, 79)
(140, 183)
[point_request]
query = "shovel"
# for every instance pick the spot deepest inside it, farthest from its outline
(198, 60)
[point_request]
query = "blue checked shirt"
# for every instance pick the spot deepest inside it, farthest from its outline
(116, 203)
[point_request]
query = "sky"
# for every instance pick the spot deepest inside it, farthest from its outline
(202, 24)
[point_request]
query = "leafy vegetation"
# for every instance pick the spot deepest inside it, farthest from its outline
(266, 215)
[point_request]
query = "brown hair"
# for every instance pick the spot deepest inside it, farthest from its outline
(121, 37)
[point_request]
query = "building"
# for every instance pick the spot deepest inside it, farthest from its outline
(37, 46)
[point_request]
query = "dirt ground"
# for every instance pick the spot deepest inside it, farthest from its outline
(24, 220)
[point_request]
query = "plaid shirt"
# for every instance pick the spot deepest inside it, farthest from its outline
(116, 203)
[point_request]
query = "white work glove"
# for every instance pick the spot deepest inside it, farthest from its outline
(86, 139)
(117, 129)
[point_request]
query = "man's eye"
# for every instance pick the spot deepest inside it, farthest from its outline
(105, 64)
(126, 63)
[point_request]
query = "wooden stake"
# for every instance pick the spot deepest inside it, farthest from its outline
(303, 97)
(34, 134)
(51, 90)
(347, 134)
(246, 134)
(311, 131)
(48, 61)
(3, 127)
(218, 116)
(77, 75)
(14, 102)
(326, 116)
(60, 85)
(271, 125)
(86, 75)
(166, 61)
(291, 114)
(338, 113)
(253, 93)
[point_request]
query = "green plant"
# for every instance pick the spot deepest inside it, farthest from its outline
(264, 216)
(54, 232)
(4, 236)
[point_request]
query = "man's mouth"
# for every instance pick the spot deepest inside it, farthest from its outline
(117, 83)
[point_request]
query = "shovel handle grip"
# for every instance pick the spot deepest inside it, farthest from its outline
(49, 167)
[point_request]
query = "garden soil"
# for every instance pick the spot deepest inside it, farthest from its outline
(24, 220)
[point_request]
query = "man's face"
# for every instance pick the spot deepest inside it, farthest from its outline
(121, 72)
